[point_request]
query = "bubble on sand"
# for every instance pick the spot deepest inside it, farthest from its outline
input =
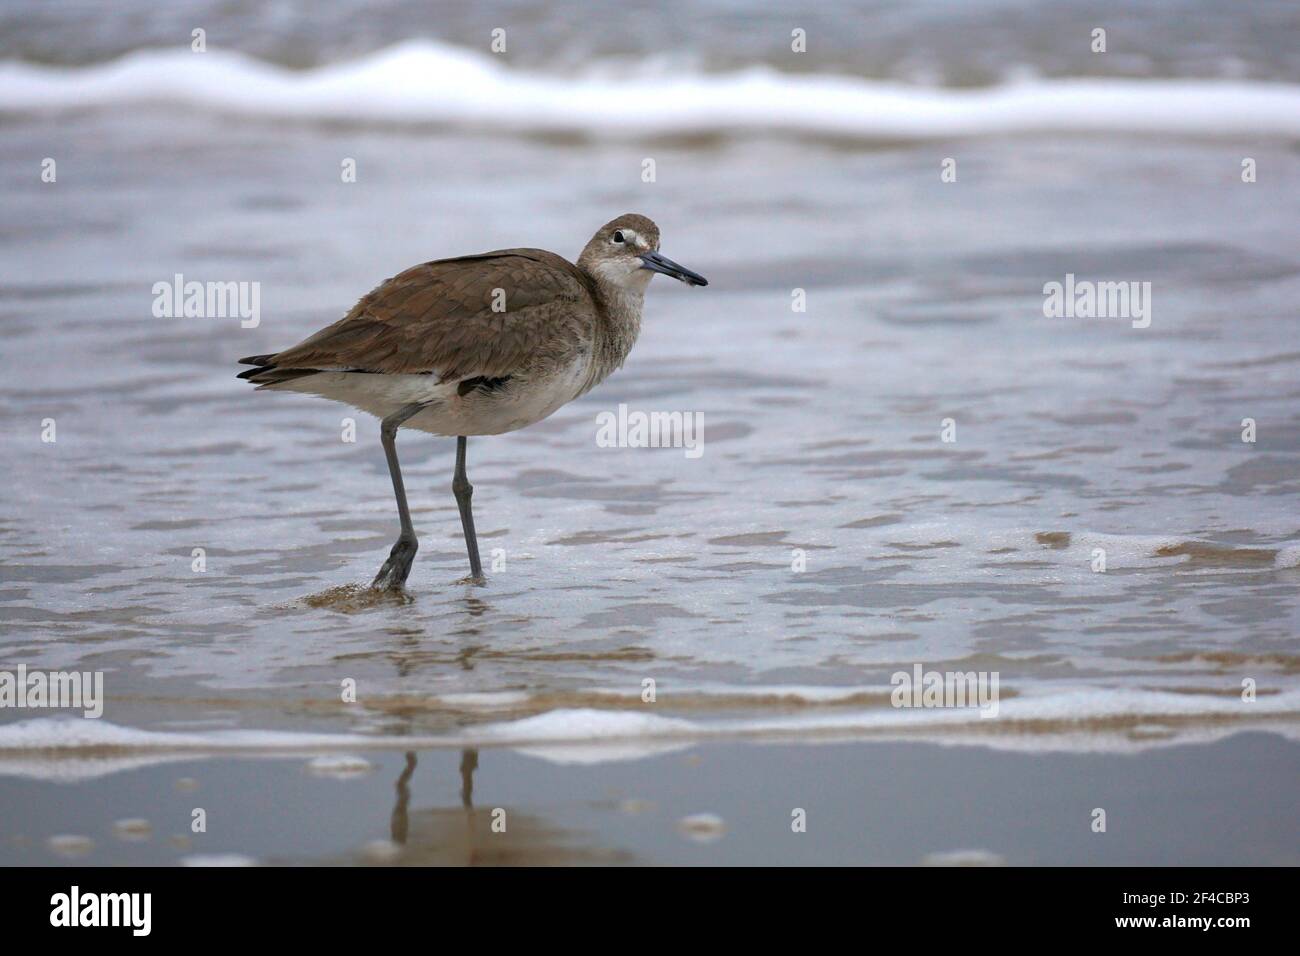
(702, 827)
(133, 830)
(381, 851)
(218, 859)
(963, 858)
(67, 844)
(340, 766)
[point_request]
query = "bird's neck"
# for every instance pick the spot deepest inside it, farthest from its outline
(618, 323)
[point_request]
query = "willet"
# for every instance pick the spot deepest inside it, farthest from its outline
(478, 345)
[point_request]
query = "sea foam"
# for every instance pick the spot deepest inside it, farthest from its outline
(428, 82)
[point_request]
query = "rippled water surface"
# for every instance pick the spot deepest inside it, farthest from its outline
(826, 538)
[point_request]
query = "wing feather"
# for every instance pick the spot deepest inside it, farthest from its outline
(438, 318)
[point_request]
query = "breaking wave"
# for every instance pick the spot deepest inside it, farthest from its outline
(428, 82)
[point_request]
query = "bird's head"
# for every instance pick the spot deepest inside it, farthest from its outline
(625, 253)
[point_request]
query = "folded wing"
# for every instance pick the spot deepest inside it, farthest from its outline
(487, 315)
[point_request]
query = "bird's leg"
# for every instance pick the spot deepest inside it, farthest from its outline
(464, 491)
(393, 574)
(468, 764)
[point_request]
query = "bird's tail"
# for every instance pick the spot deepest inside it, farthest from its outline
(264, 371)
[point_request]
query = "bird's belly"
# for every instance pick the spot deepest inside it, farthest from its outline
(377, 394)
(521, 401)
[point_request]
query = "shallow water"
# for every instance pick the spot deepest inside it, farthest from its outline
(613, 566)
(715, 804)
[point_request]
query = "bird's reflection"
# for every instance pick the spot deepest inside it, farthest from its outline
(468, 764)
(400, 823)
(407, 659)
(471, 632)
(456, 835)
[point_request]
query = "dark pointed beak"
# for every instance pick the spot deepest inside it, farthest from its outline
(657, 263)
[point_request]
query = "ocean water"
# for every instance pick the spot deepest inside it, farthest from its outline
(827, 538)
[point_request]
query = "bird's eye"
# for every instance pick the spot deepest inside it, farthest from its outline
(618, 235)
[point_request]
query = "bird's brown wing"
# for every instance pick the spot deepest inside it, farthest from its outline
(439, 317)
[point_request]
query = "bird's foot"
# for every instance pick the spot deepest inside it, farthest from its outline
(392, 576)
(478, 579)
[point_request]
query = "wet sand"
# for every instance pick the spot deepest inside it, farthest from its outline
(890, 803)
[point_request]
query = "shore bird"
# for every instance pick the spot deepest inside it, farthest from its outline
(477, 345)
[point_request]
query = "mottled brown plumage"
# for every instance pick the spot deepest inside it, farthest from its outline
(478, 345)
(438, 317)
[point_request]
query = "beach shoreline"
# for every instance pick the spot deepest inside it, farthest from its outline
(1229, 802)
